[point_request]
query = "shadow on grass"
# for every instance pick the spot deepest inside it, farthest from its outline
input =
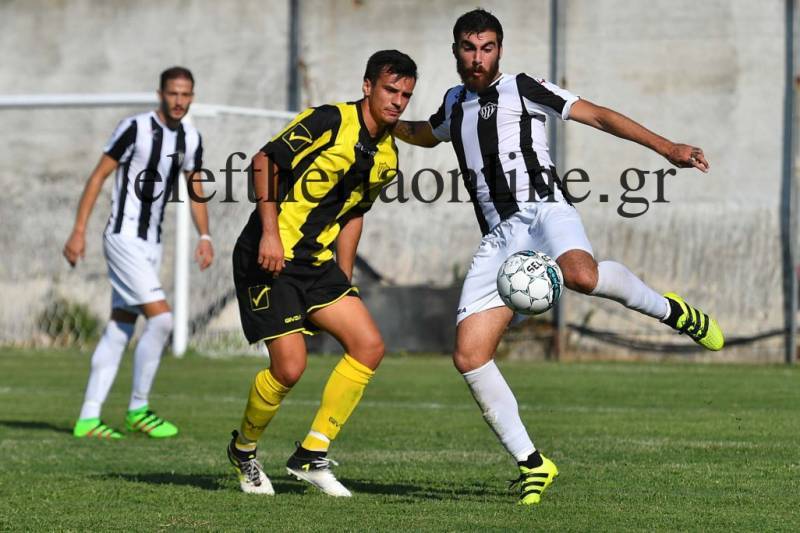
(201, 481)
(291, 486)
(426, 492)
(28, 424)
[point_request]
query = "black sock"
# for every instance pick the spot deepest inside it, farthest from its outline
(675, 311)
(309, 454)
(242, 455)
(533, 460)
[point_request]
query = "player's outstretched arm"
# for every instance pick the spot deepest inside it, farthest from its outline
(347, 244)
(418, 133)
(265, 186)
(204, 252)
(75, 247)
(608, 120)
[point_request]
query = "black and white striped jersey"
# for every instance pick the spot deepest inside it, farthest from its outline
(500, 142)
(155, 154)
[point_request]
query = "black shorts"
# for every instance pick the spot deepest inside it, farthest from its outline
(271, 307)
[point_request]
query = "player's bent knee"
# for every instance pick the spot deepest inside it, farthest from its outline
(583, 280)
(163, 323)
(465, 361)
(368, 351)
(288, 374)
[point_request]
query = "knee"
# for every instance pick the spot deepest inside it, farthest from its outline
(583, 280)
(368, 350)
(288, 373)
(465, 360)
(161, 323)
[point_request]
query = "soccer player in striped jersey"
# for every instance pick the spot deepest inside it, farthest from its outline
(314, 182)
(149, 152)
(496, 123)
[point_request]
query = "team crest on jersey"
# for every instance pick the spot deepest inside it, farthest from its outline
(297, 137)
(385, 173)
(488, 110)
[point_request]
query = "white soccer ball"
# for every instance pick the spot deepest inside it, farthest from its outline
(529, 282)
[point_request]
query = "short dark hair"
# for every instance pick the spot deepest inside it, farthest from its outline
(174, 73)
(477, 21)
(391, 61)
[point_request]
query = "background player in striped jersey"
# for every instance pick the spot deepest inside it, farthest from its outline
(315, 180)
(496, 123)
(149, 151)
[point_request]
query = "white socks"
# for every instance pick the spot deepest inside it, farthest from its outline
(500, 409)
(105, 362)
(108, 354)
(616, 282)
(147, 356)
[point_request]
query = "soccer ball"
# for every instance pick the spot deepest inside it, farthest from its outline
(529, 282)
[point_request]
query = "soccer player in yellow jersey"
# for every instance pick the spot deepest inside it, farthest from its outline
(314, 181)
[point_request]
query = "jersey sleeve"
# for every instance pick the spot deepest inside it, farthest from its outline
(123, 138)
(541, 95)
(440, 121)
(194, 152)
(306, 129)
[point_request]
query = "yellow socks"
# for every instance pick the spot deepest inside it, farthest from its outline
(340, 397)
(265, 398)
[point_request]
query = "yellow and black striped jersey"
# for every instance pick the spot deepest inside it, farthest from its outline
(330, 170)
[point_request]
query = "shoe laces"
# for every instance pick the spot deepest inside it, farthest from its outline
(322, 463)
(252, 470)
(514, 482)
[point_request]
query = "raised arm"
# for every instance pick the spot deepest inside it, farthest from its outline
(265, 186)
(347, 244)
(75, 247)
(608, 120)
(418, 133)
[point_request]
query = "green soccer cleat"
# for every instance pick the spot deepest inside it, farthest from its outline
(534, 481)
(702, 329)
(95, 428)
(146, 421)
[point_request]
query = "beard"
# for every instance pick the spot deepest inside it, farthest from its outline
(489, 75)
(165, 110)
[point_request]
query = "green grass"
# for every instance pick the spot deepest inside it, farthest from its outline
(639, 446)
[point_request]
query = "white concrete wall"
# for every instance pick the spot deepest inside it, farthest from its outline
(705, 73)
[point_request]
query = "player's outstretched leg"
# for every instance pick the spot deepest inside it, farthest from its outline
(105, 362)
(477, 337)
(612, 280)
(349, 321)
(146, 358)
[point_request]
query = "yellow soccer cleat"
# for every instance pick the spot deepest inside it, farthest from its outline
(534, 481)
(702, 329)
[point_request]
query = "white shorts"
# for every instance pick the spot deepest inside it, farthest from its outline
(549, 227)
(133, 266)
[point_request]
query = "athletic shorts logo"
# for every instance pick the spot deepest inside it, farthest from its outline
(259, 297)
(290, 319)
(297, 137)
(488, 110)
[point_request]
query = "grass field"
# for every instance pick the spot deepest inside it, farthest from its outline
(640, 447)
